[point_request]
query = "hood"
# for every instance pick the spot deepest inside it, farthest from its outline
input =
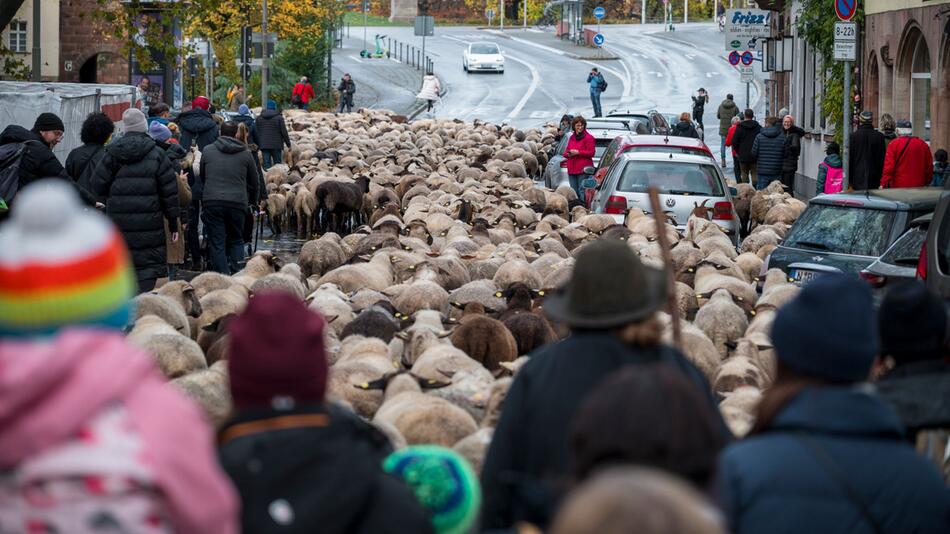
(196, 120)
(833, 160)
(856, 411)
(131, 147)
(50, 388)
(174, 151)
(771, 132)
(229, 145)
(728, 104)
(750, 125)
(795, 129)
(269, 113)
(18, 134)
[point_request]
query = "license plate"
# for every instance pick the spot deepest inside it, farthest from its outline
(802, 277)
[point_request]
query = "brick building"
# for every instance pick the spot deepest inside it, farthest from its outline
(86, 54)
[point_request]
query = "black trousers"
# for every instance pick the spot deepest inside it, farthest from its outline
(225, 226)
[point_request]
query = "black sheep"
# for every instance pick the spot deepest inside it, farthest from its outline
(371, 323)
(343, 202)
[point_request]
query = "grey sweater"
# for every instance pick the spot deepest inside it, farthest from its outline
(229, 173)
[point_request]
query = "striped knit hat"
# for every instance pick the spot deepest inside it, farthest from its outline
(443, 482)
(61, 265)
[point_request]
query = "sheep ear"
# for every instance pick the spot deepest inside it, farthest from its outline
(457, 305)
(403, 336)
(331, 318)
(374, 384)
(731, 345)
(212, 327)
(445, 333)
(427, 383)
(446, 374)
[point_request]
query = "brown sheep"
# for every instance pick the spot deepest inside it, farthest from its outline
(486, 340)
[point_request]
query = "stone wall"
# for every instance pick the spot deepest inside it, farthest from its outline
(81, 39)
(403, 10)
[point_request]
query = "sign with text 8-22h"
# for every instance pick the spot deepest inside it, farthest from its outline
(745, 26)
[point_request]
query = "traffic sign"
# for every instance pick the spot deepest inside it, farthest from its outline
(845, 9)
(747, 58)
(599, 39)
(745, 73)
(846, 41)
(733, 58)
(743, 25)
(599, 12)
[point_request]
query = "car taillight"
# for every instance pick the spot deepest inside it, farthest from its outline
(873, 279)
(922, 263)
(616, 205)
(564, 163)
(722, 211)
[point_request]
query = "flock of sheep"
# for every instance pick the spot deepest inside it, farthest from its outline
(435, 298)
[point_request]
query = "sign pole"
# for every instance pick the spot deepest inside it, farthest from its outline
(264, 59)
(846, 125)
(365, 5)
(525, 9)
(747, 90)
(501, 20)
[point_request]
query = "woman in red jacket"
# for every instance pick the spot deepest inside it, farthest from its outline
(579, 154)
(302, 94)
(735, 155)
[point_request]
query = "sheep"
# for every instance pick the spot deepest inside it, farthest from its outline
(175, 354)
(214, 339)
(474, 447)
(279, 282)
(209, 389)
(371, 323)
(426, 331)
(219, 303)
(422, 295)
(750, 265)
(484, 339)
(305, 204)
(209, 281)
(377, 274)
(721, 320)
(517, 271)
(736, 372)
(275, 208)
(165, 307)
(333, 304)
(697, 347)
(340, 202)
(184, 294)
(422, 418)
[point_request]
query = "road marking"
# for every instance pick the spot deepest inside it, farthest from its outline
(623, 79)
(539, 115)
(356, 59)
(690, 56)
(711, 74)
(658, 74)
(536, 45)
(455, 39)
(627, 87)
(535, 80)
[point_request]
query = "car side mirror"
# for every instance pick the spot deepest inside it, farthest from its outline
(589, 170)
(733, 191)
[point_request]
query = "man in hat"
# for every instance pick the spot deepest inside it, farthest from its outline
(866, 155)
(197, 124)
(38, 160)
(613, 324)
(907, 162)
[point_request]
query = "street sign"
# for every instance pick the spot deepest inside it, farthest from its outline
(747, 58)
(425, 26)
(599, 13)
(845, 9)
(846, 41)
(599, 39)
(271, 37)
(734, 58)
(745, 73)
(744, 25)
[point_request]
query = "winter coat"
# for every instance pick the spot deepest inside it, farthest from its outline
(38, 161)
(431, 88)
(272, 130)
(80, 165)
(104, 439)
(251, 126)
(792, 478)
(793, 148)
(175, 251)
(889, 135)
(768, 151)
(866, 158)
(684, 129)
(586, 148)
(941, 173)
(528, 460)
(236, 99)
(197, 126)
(912, 167)
(305, 90)
(229, 174)
(699, 105)
(727, 110)
(729, 139)
(593, 82)
(346, 88)
(832, 161)
(743, 138)
(138, 184)
(327, 466)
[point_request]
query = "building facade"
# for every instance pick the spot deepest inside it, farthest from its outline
(87, 54)
(18, 37)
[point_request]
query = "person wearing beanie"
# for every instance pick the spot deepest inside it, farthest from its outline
(244, 117)
(444, 483)
(826, 453)
(136, 182)
(237, 97)
(272, 135)
(907, 161)
(299, 462)
(38, 160)
(159, 132)
(830, 174)
(81, 161)
(866, 154)
(174, 248)
(89, 423)
(197, 125)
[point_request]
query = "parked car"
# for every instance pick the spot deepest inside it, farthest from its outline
(846, 232)
(674, 118)
(934, 264)
(654, 123)
(900, 260)
(604, 130)
(684, 180)
(483, 57)
(229, 115)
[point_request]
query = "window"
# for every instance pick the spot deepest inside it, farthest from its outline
(671, 177)
(920, 90)
(842, 229)
(906, 250)
(485, 49)
(18, 36)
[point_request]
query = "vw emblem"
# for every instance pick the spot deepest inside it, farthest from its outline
(670, 202)
(817, 258)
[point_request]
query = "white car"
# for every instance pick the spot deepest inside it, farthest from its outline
(483, 57)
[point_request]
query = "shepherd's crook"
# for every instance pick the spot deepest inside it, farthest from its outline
(658, 219)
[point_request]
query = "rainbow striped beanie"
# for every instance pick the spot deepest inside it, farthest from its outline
(443, 482)
(61, 265)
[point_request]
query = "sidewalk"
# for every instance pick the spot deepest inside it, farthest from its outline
(380, 83)
(547, 40)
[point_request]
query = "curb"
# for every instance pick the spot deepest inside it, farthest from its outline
(417, 109)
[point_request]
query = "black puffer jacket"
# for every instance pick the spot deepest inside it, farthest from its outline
(80, 165)
(793, 148)
(768, 149)
(229, 174)
(198, 126)
(137, 182)
(742, 140)
(38, 161)
(685, 129)
(272, 131)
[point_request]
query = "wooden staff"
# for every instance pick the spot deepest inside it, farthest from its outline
(659, 219)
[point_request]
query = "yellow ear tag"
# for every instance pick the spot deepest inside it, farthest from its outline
(364, 385)
(752, 312)
(498, 294)
(540, 293)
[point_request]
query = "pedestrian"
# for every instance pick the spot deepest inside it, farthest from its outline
(700, 99)
(618, 424)
(230, 184)
(793, 149)
(431, 91)
(159, 113)
(37, 160)
(174, 249)
(300, 462)
(579, 154)
(685, 128)
(613, 323)
(742, 141)
(866, 154)
(907, 162)
(444, 483)
(272, 135)
(197, 125)
(826, 454)
(302, 93)
(95, 438)
(941, 169)
(597, 85)
(622, 500)
(346, 89)
(258, 202)
(81, 161)
(244, 117)
(889, 129)
(137, 183)
(768, 149)
(736, 167)
(237, 98)
(726, 112)
(830, 171)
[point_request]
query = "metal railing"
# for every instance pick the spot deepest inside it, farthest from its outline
(409, 55)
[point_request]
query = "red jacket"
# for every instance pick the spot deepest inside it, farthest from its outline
(912, 167)
(732, 130)
(585, 154)
(305, 90)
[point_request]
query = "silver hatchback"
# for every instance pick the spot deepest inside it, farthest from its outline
(685, 181)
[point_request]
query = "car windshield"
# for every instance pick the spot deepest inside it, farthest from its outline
(906, 250)
(692, 151)
(842, 229)
(484, 49)
(671, 177)
(619, 124)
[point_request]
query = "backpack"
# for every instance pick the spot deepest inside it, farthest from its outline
(834, 177)
(296, 99)
(603, 84)
(11, 154)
